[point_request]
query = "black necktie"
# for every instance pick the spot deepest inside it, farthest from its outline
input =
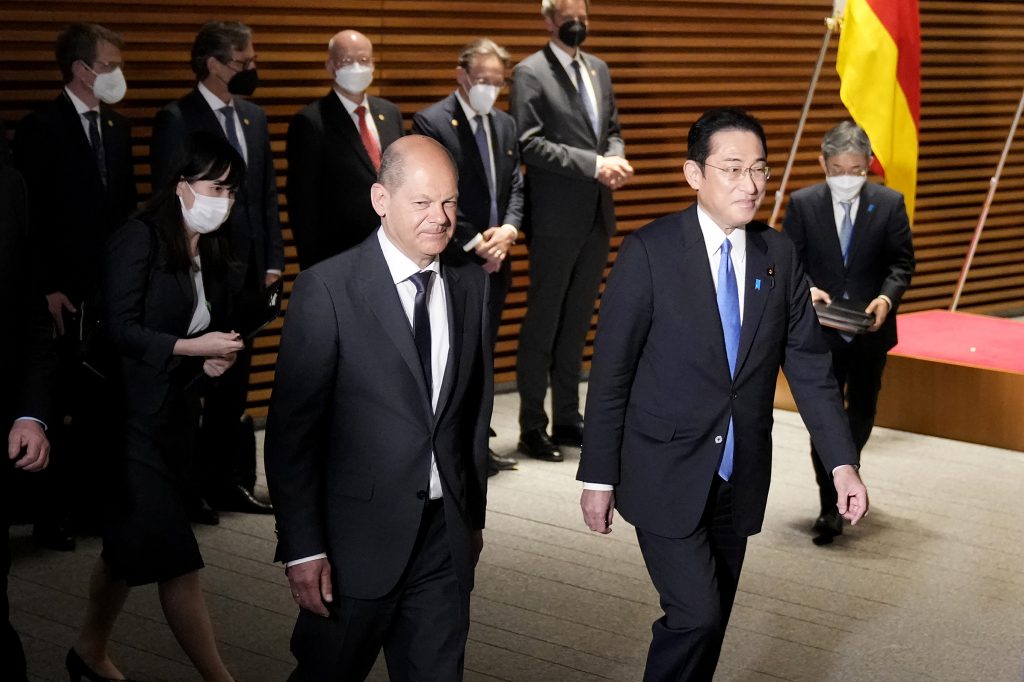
(588, 106)
(229, 128)
(97, 144)
(485, 155)
(421, 323)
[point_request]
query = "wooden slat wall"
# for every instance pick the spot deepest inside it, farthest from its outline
(670, 60)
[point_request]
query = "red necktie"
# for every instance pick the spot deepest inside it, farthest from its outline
(369, 141)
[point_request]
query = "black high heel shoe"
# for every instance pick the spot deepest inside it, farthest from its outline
(78, 670)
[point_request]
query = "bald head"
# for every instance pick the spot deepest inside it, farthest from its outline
(348, 43)
(415, 196)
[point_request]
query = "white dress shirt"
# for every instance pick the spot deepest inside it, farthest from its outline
(838, 211)
(471, 115)
(351, 107)
(82, 108)
(566, 61)
(201, 314)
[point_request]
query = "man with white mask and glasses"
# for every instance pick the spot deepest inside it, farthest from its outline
(483, 142)
(75, 153)
(854, 241)
(334, 150)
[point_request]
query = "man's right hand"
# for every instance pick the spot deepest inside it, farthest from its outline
(210, 345)
(598, 510)
(57, 303)
(820, 295)
(310, 583)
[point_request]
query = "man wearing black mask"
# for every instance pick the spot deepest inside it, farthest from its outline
(570, 141)
(224, 62)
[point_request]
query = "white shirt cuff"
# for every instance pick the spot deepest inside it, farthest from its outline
(39, 421)
(289, 564)
(855, 468)
(471, 244)
(271, 271)
(603, 487)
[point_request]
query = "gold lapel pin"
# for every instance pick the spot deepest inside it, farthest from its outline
(509, 152)
(593, 72)
(245, 121)
(380, 117)
(455, 122)
(110, 124)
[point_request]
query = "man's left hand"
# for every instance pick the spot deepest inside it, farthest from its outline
(879, 307)
(28, 435)
(477, 540)
(598, 510)
(851, 493)
(270, 278)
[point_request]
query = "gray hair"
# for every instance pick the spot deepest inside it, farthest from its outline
(548, 7)
(484, 47)
(846, 138)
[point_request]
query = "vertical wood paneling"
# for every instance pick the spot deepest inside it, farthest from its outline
(670, 60)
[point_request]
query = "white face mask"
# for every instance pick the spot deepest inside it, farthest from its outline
(354, 78)
(482, 97)
(109, 87)
(845, 187)
(207, 213)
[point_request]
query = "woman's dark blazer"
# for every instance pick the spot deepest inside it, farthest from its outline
(147, 309)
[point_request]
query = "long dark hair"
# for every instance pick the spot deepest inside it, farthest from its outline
(203, 156)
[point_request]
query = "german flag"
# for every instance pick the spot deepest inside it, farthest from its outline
(879, 65)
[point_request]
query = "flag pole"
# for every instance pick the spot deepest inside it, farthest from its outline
(993, 183)
(831, 23)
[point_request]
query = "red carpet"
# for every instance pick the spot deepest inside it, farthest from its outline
(963, 339)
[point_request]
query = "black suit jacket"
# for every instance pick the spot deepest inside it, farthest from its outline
(446, 122)
(559, 147)
(881, 257)
(255, 230)
(661, 395)
(147, 308)
(330, 174)
(350, 429)
(72, 213)
(27, 358)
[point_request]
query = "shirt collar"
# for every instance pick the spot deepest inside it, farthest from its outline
(400, 265)
(80, 106)
(216, 103)
(349, 105)
(466, 109)
(565, 59)
(714, 236)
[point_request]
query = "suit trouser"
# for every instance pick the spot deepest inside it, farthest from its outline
(696, 578)
(422, 624)
(857, 366)
(12, 656)
(565, 277)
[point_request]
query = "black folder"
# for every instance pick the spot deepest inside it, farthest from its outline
(844, 315)
(268, 310)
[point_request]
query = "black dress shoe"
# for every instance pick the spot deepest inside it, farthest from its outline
(55, 535)
(536, 444)
(78, 670)
(826, 527)
(567, 435)
(239, 499)
(492, 469)
(501, 462)
(200, 511)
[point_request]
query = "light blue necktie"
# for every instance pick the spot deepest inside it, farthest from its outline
(845, 229)
(588, 106)
(229, 128)
(485, 155)
(729, 310)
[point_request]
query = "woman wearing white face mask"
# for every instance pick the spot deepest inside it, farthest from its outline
(165, 296)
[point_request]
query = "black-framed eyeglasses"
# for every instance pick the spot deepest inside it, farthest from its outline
(246, 64)
(759, 174)
(349, 61)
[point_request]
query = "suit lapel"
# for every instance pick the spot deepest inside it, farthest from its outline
(697, 299)
(337, 118)
(73, 121)
(383, 124)
(828, 231)
(756, 288)
(383, 301)
(204, 114)
(579, 119)
(595, 83)
(455, 298)
(866, 210)
(242, 112)
(464, 133)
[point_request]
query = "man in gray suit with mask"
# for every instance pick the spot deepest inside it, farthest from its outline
(569, 137)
